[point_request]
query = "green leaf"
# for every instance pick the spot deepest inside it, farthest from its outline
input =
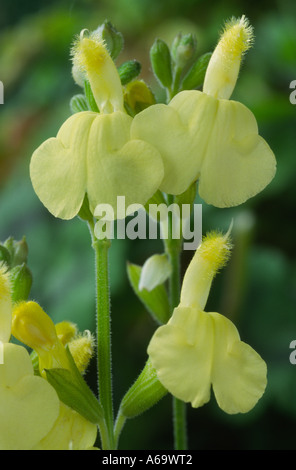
(195, 76)
(92, 105)
(74, 392)
(156, 301)
(143, 394)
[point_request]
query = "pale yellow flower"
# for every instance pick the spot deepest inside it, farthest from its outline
(207, 137)
(29, 406)
(31, 414)
(93, 153)
(196, 351)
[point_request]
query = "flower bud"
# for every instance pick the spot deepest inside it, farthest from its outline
(184, 50)
(18, 250)
(66, 331)
(138, 96)
(161, 62)
(21, 283)
(112, 38)
(128, 71)
(4, 255)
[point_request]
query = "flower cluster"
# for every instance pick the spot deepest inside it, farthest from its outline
(120, 142)
(199, 135)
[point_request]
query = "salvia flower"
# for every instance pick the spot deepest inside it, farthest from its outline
(31, 414)
(94, 153)
(29, 406)
(205, 136)
(196, 350)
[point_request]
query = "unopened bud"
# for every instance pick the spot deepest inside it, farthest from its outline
(21, 283)
(128, 71)
(161, 62)
(66, 331)
(18, 250)
(138, 96)
(4, 255)
(112, 38)
(184, 50)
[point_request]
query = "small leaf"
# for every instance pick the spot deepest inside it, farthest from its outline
(143, 394)
(156, 301)
(74, 392)
(195, 76)
(92, 105)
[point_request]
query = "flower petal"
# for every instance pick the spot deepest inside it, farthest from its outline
(70, 432)
(197, 349)
(181, 352)
(215, 141)
(29, 406)
(239, 373)
(58, 167)
(119, 166)
(5, 306)
(93, 154)
(180, 132)
(238, 163)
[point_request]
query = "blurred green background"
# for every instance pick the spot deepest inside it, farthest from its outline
(257, 290)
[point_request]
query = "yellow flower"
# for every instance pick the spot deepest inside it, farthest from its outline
(31, 414)
(196, 350)
(29, 406)
(94, 153)
(33, 327)
(204, 136)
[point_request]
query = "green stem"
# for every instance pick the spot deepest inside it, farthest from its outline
(173, 249)
(119, 424)
(101, 248)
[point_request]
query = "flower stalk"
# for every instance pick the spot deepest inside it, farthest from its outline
(104, 368)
